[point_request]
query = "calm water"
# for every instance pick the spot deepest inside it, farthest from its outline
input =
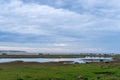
(78, 60)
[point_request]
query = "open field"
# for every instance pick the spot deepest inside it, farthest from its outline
(59, 71)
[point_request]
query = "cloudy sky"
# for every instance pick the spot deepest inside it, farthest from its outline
(60, 25)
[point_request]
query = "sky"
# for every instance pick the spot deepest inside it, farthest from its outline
(60, 26)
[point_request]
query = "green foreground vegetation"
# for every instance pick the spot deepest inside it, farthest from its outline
(61, 72)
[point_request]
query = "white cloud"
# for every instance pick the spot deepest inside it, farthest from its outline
(31, 18)
(60, 45)
(36, 19)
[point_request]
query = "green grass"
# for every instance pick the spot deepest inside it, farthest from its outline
(71, 72)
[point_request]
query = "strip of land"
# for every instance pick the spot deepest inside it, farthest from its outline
(57, 56)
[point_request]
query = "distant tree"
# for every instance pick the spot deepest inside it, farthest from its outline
(40, 53)
(4, 53)
(105, 55)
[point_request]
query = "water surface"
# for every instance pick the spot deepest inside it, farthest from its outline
(42, 60)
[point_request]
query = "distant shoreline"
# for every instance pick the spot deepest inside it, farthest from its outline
(53, 56)
(41, 56)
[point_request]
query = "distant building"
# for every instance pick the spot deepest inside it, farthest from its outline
(13, 52)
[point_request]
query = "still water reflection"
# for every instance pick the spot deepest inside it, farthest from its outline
(78, 60)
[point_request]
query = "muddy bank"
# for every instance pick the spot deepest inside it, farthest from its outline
(21, 63)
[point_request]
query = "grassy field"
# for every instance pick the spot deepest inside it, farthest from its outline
(58, 71)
